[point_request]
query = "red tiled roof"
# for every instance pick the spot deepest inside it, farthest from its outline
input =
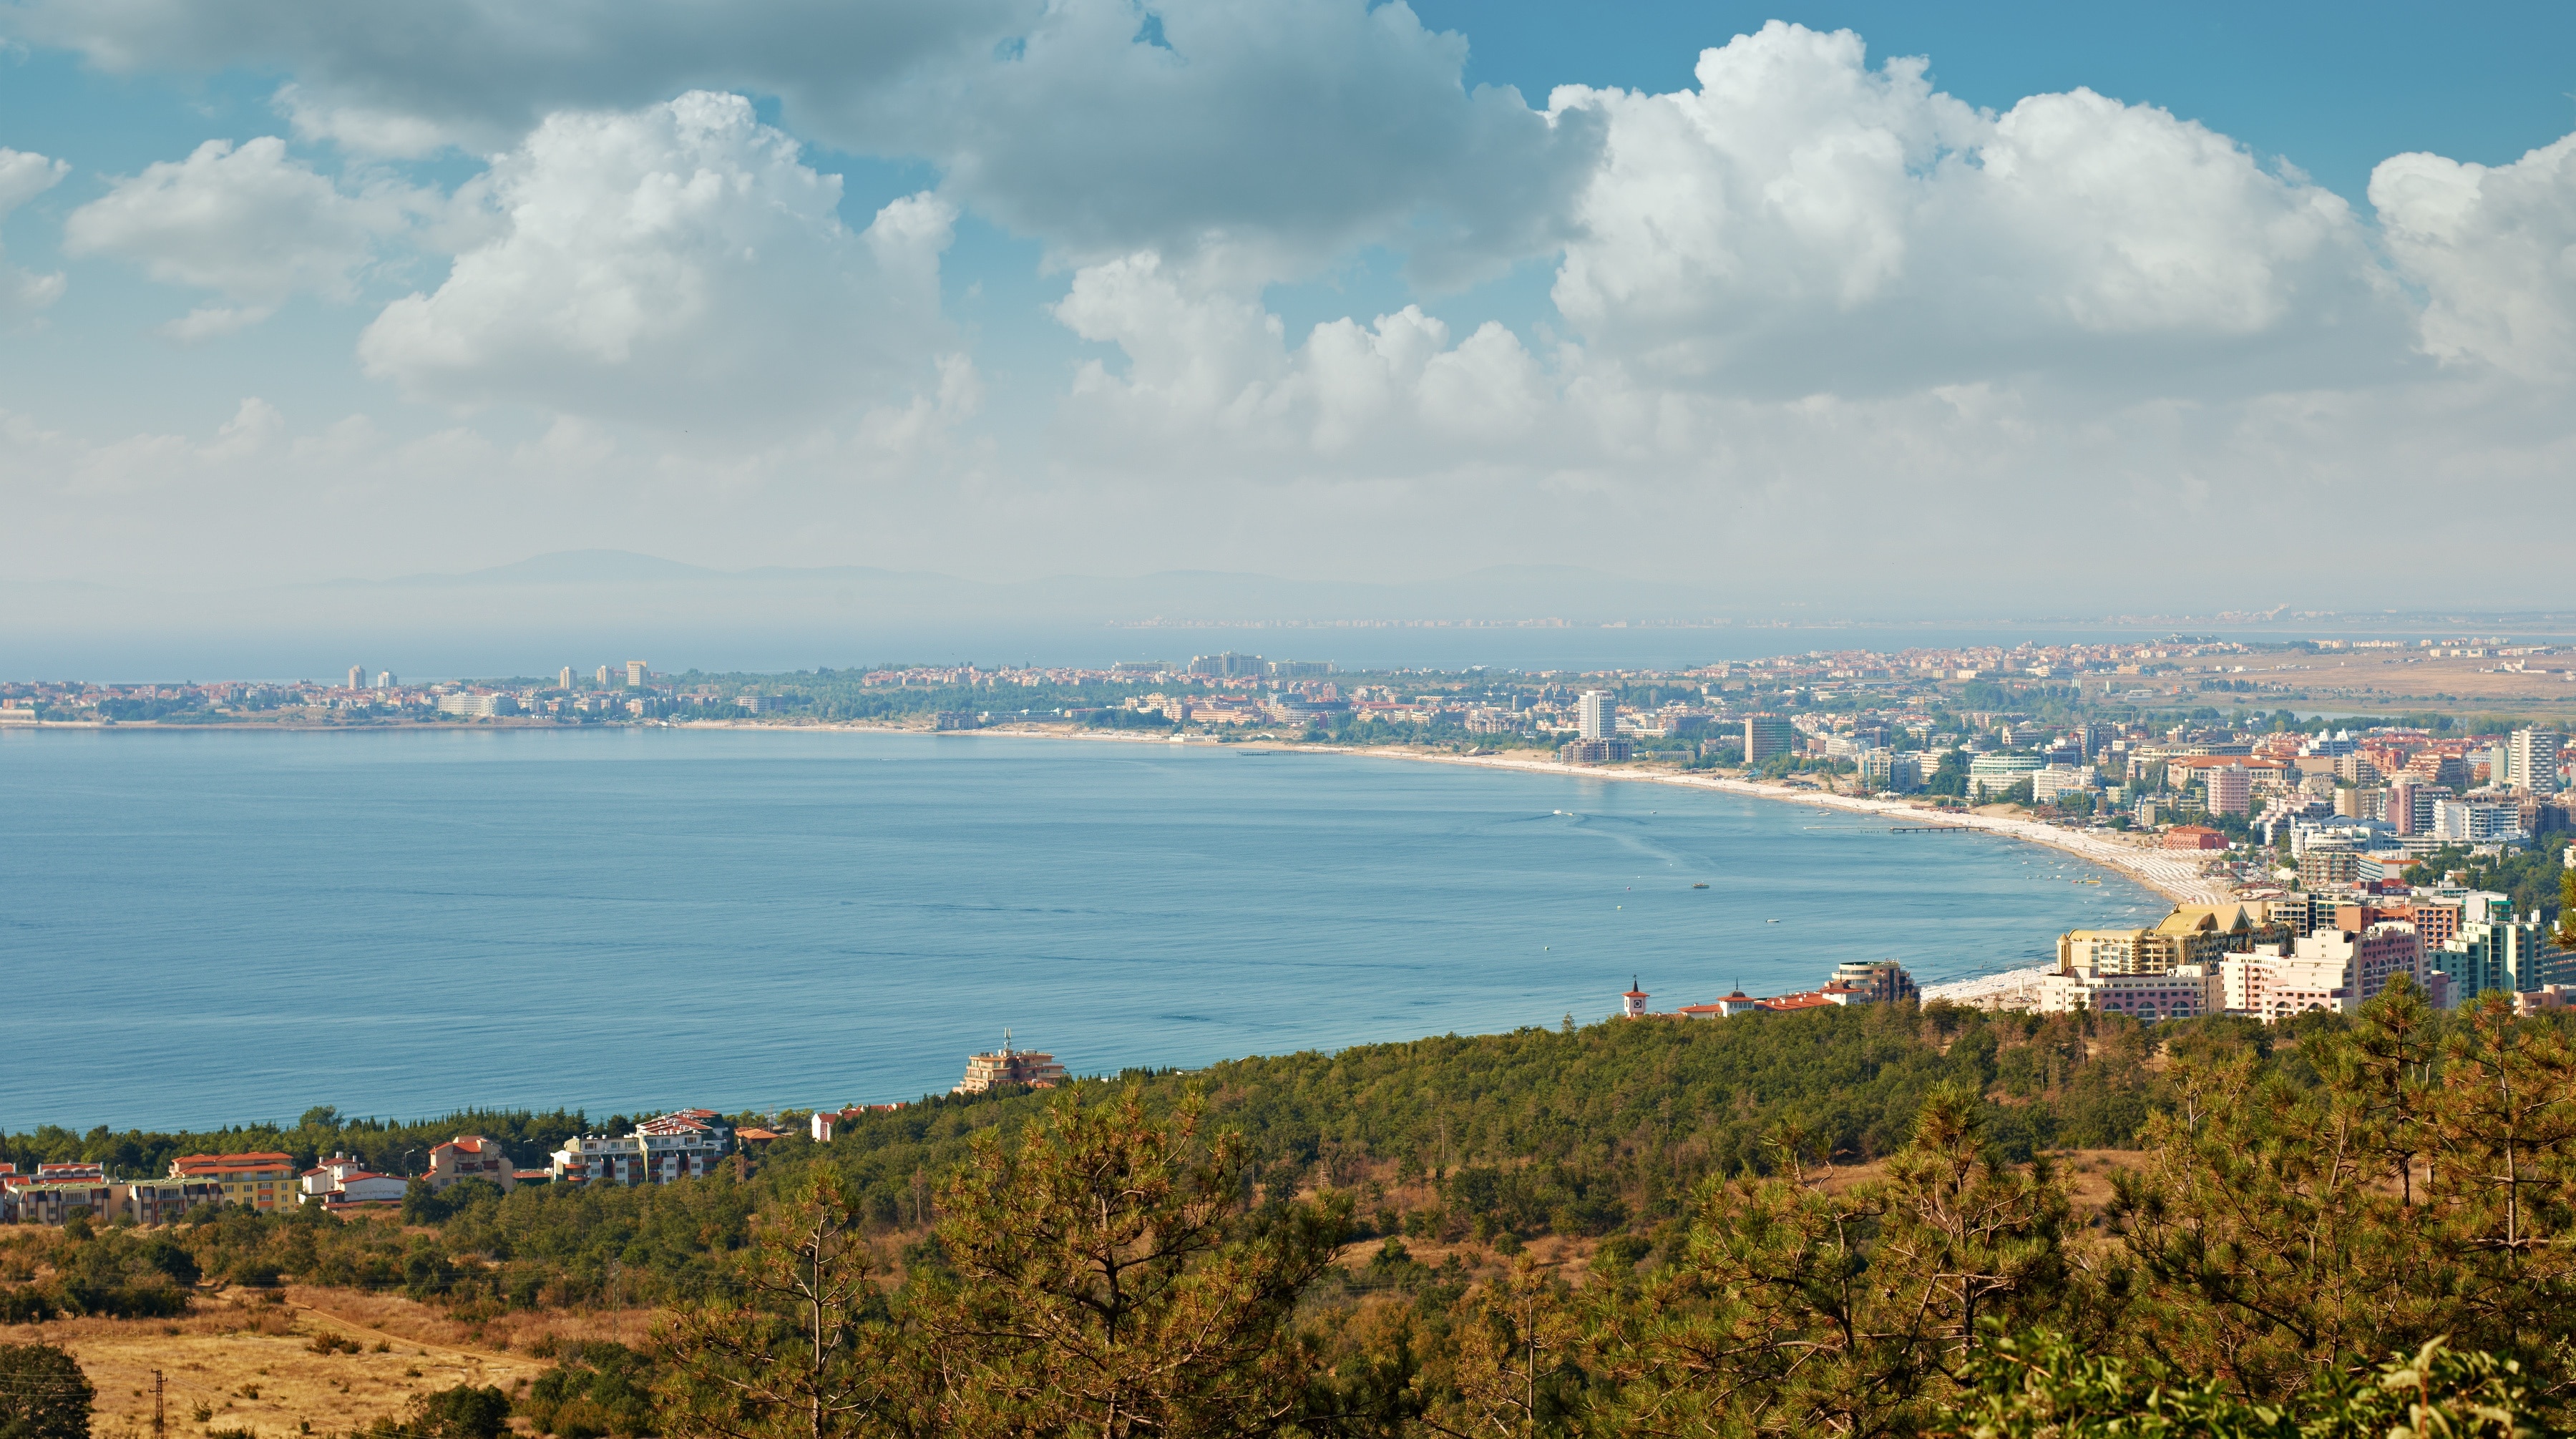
(1810, 1000)
(214, 1165)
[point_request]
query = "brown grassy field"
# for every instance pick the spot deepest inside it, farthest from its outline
(2405, 679)
(246, 1361)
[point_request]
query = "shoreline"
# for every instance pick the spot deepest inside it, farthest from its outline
(2175, 879)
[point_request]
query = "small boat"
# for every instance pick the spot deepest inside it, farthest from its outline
(1703, 884)
(1770, 921)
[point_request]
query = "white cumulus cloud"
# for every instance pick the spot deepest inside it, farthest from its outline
(1800, 221)
(2495, 251)
(1269, 137)
(677, 265)
(251, 223)
(1211, 383)
(23, 176)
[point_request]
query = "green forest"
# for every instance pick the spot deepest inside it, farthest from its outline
(1888, 1220)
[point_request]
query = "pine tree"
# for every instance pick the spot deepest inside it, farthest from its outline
(789, 1349)
(1112, 1278)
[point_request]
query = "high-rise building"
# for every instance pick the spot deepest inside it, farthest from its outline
(2231, 789)
(2410, 804)
(1597, 715)
(603, 676)
(357, 677)
(384, 679)
(563, 679)
(635, 674)
(2532, 760)
(2493, 950)
(1766, 736)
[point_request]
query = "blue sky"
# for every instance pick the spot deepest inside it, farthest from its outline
(1007, 289)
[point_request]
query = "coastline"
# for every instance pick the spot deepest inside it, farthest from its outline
(2175, 878)
(2178, 880)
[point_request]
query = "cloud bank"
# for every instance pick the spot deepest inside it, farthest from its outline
(1808, 319)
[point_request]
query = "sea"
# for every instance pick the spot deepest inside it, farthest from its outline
(200, 929)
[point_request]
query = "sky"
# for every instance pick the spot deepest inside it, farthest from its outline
(1872, 307)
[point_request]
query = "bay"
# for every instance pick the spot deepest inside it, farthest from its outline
(208, 928)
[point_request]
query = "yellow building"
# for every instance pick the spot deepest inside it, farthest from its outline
(260, 1180)
(2192, 934)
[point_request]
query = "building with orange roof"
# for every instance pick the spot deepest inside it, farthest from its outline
(261, 1179)
(471, 1156)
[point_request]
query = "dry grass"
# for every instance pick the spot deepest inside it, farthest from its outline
(251, 1364)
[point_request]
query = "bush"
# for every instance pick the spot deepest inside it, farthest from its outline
(464, 1412)
(595, 1389)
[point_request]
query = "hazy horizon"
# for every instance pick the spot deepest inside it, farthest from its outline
(532, 616)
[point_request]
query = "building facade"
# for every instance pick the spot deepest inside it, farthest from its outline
(471, 1156)
(2186, 992)
(2531, 756)
(1596, 716)
(261, 1180)
(684, 1144)
(1766, 737)
(1992, 774)
(2230, 789)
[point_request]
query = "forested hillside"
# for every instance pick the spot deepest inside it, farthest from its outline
(1852, 1221)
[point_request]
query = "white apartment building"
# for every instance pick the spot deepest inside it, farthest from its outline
(2531, 760)
(2049, 781)
(1995, 773)
(682, 1145)
(1597, 716)
(2476, 821)
(477, 706)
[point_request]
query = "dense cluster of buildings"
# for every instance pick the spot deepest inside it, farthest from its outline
(2273, 958)
(685, 1144)
(626, 691)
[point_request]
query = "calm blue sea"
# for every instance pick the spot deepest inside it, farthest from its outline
(198, 929)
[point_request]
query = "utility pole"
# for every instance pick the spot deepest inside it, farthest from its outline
(159, 1416)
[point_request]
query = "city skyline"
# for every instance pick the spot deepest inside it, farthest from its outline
(1836, 306)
